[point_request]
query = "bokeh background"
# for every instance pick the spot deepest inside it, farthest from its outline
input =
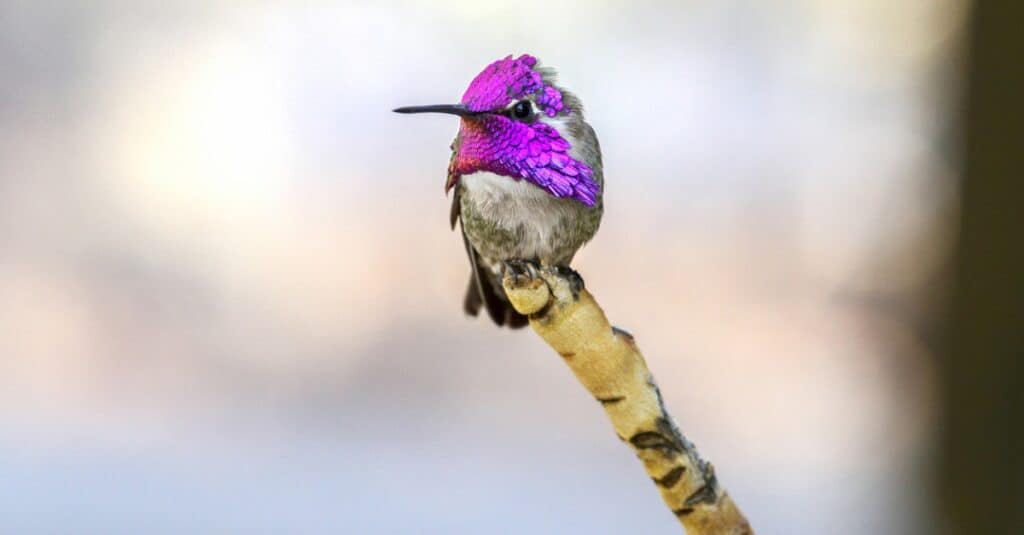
(230, 300)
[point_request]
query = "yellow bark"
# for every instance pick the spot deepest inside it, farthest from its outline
(608, 363)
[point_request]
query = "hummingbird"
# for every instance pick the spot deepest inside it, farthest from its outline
(527, 175)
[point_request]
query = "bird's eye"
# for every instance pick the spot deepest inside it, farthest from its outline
(522, 109)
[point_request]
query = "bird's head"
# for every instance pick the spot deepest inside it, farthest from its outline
(517, 123)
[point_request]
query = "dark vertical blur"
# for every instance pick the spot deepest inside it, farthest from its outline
(982, 484)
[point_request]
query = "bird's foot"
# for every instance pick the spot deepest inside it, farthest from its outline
(525, 287)
(521, 272)
(572, 277)
(532, 290)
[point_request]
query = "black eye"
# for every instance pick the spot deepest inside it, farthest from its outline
(522, 109)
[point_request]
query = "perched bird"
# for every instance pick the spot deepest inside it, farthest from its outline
(526, 170)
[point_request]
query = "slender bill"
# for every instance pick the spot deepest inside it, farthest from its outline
(451, 109)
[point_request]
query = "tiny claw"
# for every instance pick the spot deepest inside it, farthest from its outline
(531, 269)
(525, 287)
(520, 271)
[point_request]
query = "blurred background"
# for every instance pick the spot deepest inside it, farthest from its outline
(230, 300)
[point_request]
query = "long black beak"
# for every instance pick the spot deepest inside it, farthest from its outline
(452, 109)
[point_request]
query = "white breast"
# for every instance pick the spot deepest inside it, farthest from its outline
(511, 204)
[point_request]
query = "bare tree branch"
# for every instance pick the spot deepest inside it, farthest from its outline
(606, 360)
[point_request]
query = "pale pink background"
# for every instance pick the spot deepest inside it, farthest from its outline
(230, 299)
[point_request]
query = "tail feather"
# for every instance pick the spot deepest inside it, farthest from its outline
(472, 302)
(481, 292)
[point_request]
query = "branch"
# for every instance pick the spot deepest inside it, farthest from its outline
(606, 360)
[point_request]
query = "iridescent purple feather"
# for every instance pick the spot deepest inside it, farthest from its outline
(534, 151)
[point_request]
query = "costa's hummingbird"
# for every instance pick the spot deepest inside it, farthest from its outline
(526, 170)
